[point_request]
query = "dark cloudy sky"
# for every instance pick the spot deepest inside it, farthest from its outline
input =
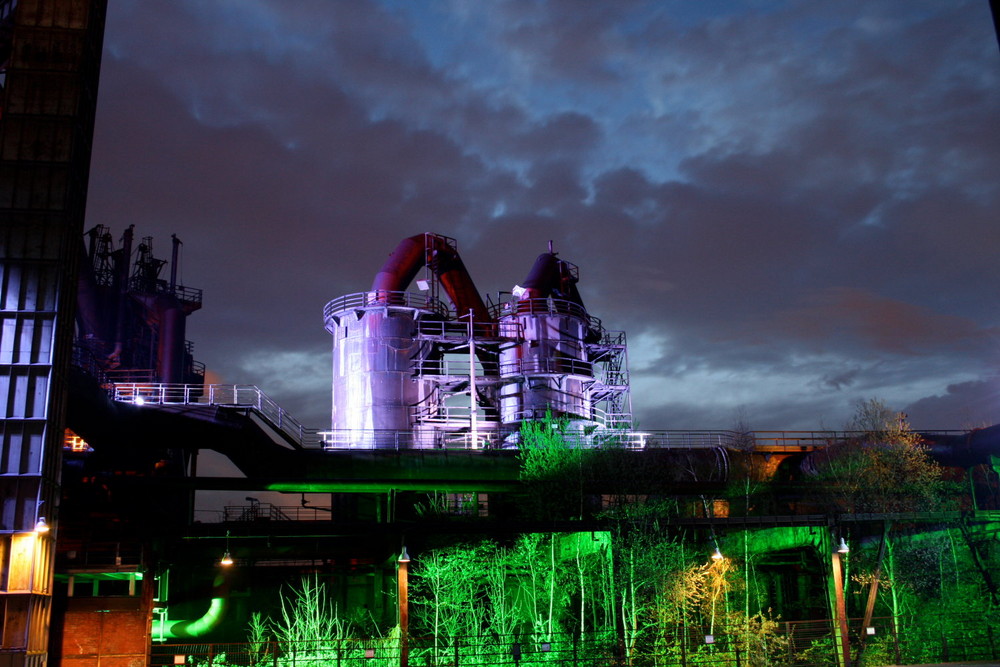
(788, 206)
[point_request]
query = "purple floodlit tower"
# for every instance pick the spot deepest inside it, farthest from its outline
(413, 370)
(548, 367)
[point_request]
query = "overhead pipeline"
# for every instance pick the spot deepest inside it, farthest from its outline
(198, 627)
(976, 447)
(432, 251)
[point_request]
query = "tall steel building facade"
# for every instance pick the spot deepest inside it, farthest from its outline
(50, 52)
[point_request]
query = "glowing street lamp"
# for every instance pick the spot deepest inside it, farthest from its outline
(227, 558)
(41, 526)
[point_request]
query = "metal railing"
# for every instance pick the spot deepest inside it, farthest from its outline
(384, 298)
(229, 395)
(189, 294)
(256, 511)
(85, 359)
(612, 429)
(458, 331)
(486, 372)
(508, 369)
(586, 650)
(547, 366)
(616, 382)
(131, 375)
(455, 414)
(429, 438)
(545, 306)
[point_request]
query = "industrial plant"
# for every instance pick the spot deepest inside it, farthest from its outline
(480, 494)
(463, 372)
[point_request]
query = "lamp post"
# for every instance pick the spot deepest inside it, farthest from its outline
(844, 657)
(473, 397)
(403, 599)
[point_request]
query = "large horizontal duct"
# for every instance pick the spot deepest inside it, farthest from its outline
(433, 251)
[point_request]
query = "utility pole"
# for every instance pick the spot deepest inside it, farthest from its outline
(473, 397)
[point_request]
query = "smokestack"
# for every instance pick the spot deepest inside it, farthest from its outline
(173, 262)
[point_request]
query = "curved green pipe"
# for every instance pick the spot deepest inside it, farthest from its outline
(164, 628)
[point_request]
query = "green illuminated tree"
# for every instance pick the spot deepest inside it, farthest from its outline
(541, 586)
(929, 580)
(537, 592)
(588, 564)
(312, 631)
(503, 614)
(449, 589)
(308, 615)
(551, 469)
(648, 578)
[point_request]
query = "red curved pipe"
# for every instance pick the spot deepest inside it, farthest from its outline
(402, 266)
(432, 250)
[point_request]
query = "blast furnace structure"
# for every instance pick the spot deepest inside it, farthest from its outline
(430, 390)
(413, 370)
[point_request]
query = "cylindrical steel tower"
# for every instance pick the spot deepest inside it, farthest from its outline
(548, 368)
(375, 351)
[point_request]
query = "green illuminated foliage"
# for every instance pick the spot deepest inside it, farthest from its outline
(879, 651)
(539, 586)
(650, 592)
(448, 591)
(544, 451)
(758, 637)
(648, 595)
(434, 507)
(551, 469)
(308, 615)
(818, 651)
(258, 635)
(311, 632)
(562, 480)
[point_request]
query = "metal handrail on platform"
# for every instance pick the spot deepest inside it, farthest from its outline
(613, 432)
(223, 395)
(383, 299)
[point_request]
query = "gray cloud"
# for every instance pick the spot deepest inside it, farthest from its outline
(967, 405)
(781, 211)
